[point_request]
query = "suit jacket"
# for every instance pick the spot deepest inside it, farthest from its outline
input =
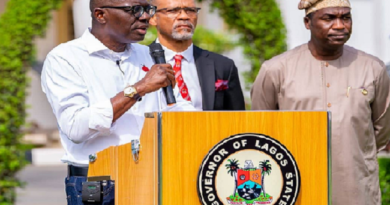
(212, 67)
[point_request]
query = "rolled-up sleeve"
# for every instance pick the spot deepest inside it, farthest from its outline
(67, 94)
(380, 110)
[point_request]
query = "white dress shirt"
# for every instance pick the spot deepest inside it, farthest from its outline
(79, 78)
(189, 73)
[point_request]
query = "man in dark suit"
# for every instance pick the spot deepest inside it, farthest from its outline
(209, 80)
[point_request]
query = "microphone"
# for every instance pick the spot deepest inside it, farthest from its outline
(157, 53)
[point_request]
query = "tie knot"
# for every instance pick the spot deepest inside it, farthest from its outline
(178, 57)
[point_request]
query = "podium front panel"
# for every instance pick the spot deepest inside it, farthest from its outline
(185, 138)
(136, 182)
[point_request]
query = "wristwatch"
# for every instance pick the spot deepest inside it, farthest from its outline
(131, 92)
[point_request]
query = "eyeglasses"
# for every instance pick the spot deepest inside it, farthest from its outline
(136, 10)
(174, 12)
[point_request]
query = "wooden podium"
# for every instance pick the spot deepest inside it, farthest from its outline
(174, 144)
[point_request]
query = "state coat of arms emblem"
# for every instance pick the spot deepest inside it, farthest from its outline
(249, 181)
(248, 169)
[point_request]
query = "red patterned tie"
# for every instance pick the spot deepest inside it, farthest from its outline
(179, 78)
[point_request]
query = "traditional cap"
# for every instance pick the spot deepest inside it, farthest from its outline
(315, 5)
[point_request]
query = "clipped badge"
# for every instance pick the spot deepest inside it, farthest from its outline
(364, 91)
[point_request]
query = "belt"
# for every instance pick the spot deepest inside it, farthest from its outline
(77, 171)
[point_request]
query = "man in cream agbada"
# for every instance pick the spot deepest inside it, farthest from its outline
(325, 74)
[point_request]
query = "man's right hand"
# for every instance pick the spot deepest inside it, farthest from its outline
(160, 75)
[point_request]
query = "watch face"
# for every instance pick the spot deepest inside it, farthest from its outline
(129, 91)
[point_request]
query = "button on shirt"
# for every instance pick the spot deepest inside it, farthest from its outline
(189, 73)
(79, 78)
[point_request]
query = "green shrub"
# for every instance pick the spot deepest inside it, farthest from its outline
(204, 38)
(384, 179)
(19, 24)
(260, 26)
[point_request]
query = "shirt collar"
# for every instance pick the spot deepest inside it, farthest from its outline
(94, 45)
(187, 54)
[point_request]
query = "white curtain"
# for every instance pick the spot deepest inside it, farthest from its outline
(81, 16)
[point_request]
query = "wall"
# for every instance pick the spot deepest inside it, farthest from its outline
(384, 33)
(81, 16)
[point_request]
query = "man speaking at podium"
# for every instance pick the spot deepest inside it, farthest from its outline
(325, 74)
(101, 84)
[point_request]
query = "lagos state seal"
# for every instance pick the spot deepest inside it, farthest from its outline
(247, 169)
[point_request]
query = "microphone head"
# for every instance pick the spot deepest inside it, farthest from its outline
(155, 48)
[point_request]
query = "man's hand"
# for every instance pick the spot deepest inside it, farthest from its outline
(160, 75)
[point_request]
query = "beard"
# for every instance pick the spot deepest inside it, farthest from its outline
(186, 34)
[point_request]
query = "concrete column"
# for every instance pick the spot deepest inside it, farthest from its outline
(384, 35)
(364, 27)
(81, 16)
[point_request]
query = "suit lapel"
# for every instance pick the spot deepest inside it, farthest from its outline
(206, 73)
